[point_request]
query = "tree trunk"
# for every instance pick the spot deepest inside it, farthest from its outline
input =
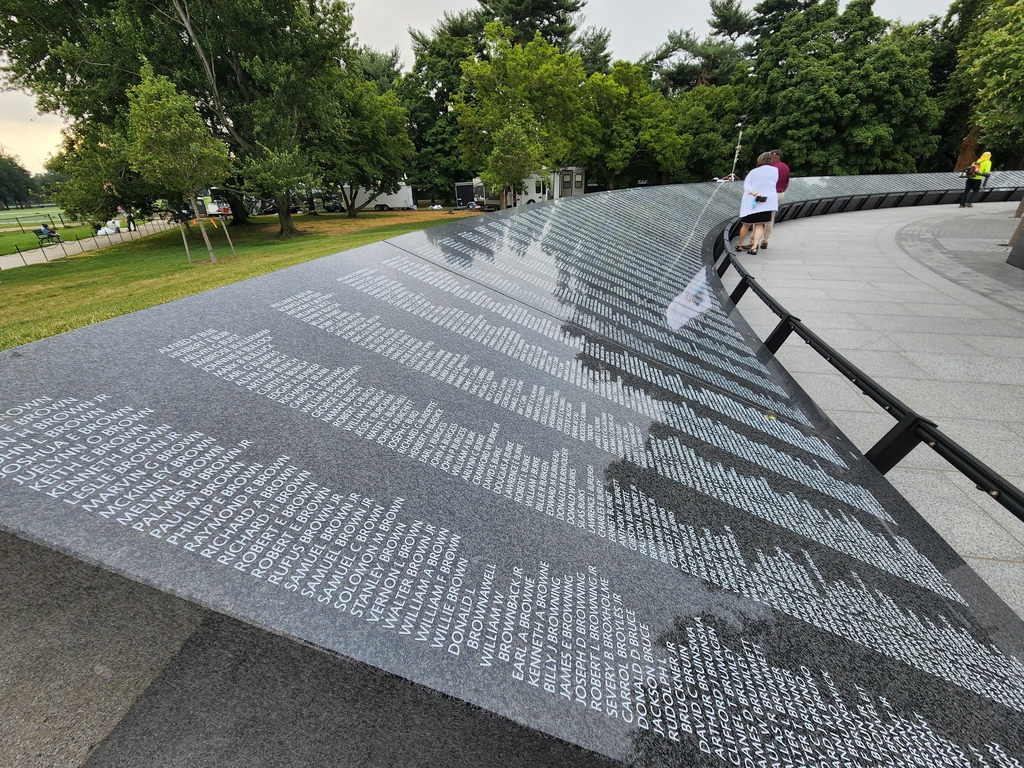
(284, 215)
(239, 213)
(968, 148)
(184, 240)
(202, 228)
(311, 202)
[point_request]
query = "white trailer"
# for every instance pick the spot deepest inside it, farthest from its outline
(401, 200)
(536, 189)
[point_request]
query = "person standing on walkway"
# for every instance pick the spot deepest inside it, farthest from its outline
(974, 181)
(759, 200)
(780, 188)
(130, 218)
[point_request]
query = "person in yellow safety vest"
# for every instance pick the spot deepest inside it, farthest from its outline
(974, 182)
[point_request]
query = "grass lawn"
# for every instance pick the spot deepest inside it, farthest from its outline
(26, 241)
(46, 299)
(30, 217)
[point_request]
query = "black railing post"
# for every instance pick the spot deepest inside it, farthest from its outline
(740, 289)
(724, 266)
(781, 333)
(897, 443)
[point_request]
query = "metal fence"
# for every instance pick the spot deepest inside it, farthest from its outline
(911, 428)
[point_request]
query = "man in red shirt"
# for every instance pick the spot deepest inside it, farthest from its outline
(780, 187)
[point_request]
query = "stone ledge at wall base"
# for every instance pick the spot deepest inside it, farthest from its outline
(533, 461)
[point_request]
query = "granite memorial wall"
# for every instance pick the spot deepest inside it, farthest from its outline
(537, 462)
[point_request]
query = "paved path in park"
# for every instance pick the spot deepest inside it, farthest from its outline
(59, 251)
(920, 299)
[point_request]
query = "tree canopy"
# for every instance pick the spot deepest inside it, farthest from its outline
(841, 93)
(993, 64)
(15, 181)
(508, 86)
(169, 144)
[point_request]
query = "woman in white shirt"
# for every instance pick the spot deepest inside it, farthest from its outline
(759, 200)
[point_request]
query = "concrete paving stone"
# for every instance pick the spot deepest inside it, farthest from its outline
(896, 285)
(849, 339)
(796, 357)
(1000, 346)
(818, 321)
(923, 297)
(879, 364)
(1009, 522)
(940, 343)
(833, 392)
(962, 523)
(956, 310)
(957, 399)
(863, 428)
(1006, 578)
(79, 645)
(872, 308)
(991, 441)
(979, 368)
(948, 322)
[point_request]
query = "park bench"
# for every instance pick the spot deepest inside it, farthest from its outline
(45, 240)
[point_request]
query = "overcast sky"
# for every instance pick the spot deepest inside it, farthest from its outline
(637, 26)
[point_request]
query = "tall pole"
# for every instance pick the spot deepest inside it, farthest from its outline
(739, 145)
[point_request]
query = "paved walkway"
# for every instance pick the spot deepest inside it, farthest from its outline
(53, 252)
(922, 300)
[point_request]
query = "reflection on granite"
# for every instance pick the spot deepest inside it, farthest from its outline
(535, 462)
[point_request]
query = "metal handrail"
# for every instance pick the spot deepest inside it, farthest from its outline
(911, 428)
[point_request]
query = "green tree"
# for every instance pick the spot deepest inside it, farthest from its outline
(253, 68)
(729, 20)
(170, 145)
(708, 116)
(276, 173)
(427, 91)
(382, 68)
(637, 138)
(993, 63)
(14, 181)
(96, 177)
(362, 143)
(554, 20)
(533, 82)
(518, 152)
(42, 184)
(592, 46)
(842, 94)
(685, 61)
(951, 86)
(768, 15)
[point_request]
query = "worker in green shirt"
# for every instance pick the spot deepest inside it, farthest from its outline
(982, 169)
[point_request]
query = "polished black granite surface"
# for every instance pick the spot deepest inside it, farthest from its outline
(537, 463)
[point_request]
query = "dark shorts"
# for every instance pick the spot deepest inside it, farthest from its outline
(757, 218)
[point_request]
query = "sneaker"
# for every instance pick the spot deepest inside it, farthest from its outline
(962, 205)
(969, 205)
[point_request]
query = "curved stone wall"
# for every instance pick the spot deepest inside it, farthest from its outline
(530, 461)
